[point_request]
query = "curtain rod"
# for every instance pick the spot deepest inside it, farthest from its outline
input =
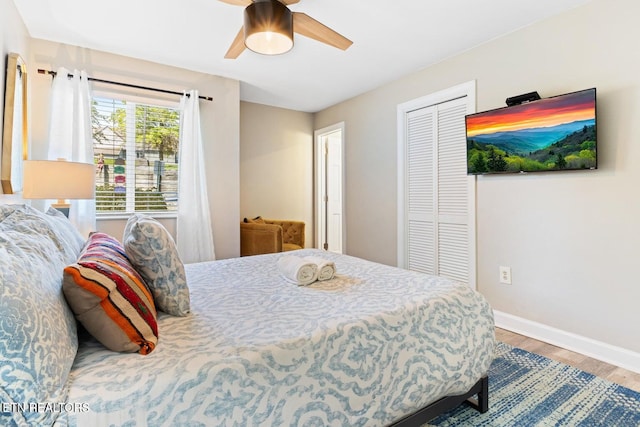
(92, 79)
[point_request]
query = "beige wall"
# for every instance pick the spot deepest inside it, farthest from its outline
(276, 164)
(219, 121)
(14, 38)
(570, 238)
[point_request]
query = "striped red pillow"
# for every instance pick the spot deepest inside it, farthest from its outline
(110, 298)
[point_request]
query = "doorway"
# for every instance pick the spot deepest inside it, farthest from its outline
(329, 188)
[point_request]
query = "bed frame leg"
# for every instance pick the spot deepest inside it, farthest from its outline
(481, 402)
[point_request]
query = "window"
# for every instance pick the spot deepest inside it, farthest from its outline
(135, 148)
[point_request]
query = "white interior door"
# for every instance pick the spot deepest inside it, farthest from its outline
(329, 188)
(436, 198)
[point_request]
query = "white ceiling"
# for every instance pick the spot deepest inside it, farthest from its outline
(390, 39)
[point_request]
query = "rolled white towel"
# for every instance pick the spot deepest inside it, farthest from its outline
(326, 268)
(297, 270)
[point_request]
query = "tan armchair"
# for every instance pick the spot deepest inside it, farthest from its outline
(265, 236)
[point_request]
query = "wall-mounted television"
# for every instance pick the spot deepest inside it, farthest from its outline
(550, 134)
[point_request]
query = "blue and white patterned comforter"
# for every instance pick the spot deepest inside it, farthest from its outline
(366, 348)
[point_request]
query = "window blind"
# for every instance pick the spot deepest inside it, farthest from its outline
(136, 154)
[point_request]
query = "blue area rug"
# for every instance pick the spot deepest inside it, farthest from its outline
(526, 389)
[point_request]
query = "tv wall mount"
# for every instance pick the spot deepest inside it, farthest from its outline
(520, 99)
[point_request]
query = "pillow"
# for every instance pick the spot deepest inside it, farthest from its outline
(63, 233)
(38, 336)
(110, 298)
(154, 254)
(256, 220)
(66, 230)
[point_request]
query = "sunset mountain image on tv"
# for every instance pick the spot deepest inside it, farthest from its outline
(557, 133)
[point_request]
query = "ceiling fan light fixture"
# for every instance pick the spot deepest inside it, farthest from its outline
(268, 27)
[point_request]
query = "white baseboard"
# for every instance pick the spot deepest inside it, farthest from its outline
(608, 353)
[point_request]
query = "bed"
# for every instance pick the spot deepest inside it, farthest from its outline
(374, 346)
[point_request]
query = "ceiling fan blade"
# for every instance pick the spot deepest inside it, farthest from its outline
(305, 25)
(288, 2)
(237, 46)
(238, 2)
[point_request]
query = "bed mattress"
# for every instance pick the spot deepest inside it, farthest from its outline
(371, 345)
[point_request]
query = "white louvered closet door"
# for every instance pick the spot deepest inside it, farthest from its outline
(421, 218)
(437, 192)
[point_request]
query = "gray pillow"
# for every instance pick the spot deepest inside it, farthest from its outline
(60, 230)
(38, 338)
(154, 255)
(66, 231)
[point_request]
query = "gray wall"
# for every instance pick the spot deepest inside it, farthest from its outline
(276, 164)
(570, 238)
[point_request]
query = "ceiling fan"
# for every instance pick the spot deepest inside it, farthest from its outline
(269, 26)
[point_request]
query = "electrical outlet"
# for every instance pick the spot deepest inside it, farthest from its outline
(505, 275)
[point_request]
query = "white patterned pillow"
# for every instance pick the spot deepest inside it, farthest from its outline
(38, 337)
(154, 254)
(60, 230)
(66, 230)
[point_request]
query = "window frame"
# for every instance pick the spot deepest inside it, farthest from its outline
(134, 98)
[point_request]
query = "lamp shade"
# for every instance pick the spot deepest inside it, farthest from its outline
(268, 27)
(58, 179)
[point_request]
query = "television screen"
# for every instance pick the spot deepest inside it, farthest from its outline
(550, 134)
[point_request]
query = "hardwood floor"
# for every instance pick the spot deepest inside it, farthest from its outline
(604, 370)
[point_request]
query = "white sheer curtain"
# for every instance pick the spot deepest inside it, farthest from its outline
(70, 135)
(194, 230)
